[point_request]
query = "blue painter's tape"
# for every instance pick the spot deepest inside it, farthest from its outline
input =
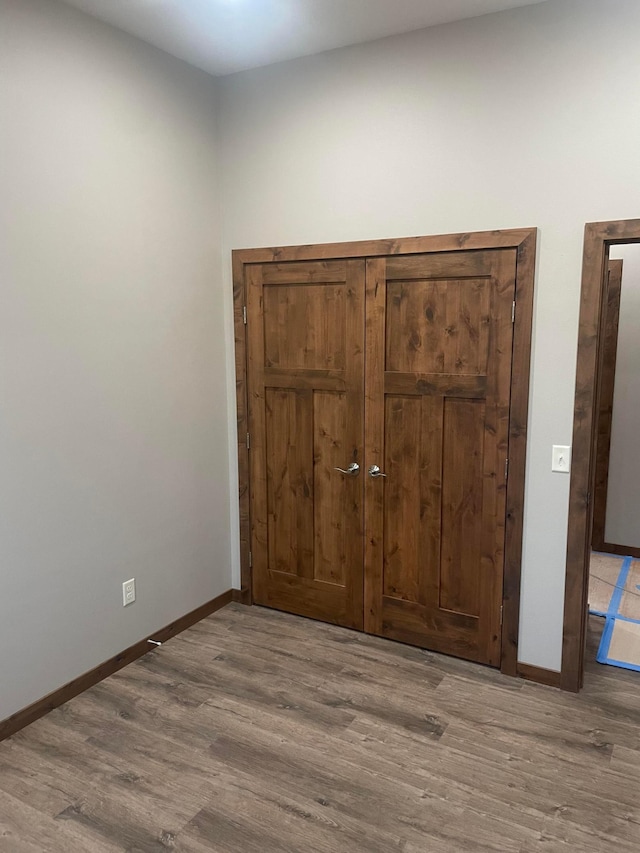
(612, 616)
(605, 641)
(614, 557)
(620, 618)
(623, 664)
(616, 598)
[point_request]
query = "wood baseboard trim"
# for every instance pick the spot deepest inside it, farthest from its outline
(618, 550)
(549, 677)
(38, 709)
(243, 596)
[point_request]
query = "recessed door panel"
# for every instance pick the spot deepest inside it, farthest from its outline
(306, 327)
(461, 504)
(332, 522)
(290, 505)
(437, 327)
(403, 519)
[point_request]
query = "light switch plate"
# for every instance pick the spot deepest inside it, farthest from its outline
(561, 458)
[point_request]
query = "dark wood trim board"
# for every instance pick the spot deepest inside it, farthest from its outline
(605, 415)
(538, 674)
(58, 697)
(619, 550)
(605, 412)
(598, 237)
(524, 241)
(242, 596)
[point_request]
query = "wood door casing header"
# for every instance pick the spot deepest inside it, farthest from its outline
(523, 240)
(503, 239)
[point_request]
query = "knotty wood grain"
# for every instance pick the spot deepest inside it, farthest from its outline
(429, 325)
(333, 521)
(462, 506)
(518, 416)
(242, 421)
(404, 558)
(285, 262)
(305, 378)
(499, 239)
(374, 410)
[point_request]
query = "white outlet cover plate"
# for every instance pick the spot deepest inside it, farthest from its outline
(128, 592)
(561, 458)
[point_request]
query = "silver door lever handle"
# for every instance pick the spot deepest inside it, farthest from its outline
(352, 470)
(374, 471)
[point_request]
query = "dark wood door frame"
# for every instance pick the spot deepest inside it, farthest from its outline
(605, 408)
(523, 240)
(605, 416)
(598, 237)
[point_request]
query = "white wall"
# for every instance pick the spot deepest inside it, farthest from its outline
(522, 118)
(113, 439)
(622, 525)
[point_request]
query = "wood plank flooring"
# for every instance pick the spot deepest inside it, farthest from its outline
(255, 731)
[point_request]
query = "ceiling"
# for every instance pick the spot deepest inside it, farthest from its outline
(224, 36)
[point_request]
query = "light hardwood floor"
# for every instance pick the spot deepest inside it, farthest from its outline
(256, 731)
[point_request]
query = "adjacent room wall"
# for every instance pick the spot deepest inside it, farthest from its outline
(522, 118)
(622, 525)
(113, 425)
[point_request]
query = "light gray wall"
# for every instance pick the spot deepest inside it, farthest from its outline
(522, 118)
(623, 491)
(116, 341)
(113, 428)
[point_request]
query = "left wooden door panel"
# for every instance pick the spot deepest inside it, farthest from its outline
(306, 391)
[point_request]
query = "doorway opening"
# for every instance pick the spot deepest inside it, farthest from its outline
(324, 390)
(601, 602)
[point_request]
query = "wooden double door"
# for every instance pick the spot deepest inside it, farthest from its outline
(379, 394)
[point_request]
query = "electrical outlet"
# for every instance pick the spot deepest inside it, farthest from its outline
(561, 458)
(128, 592)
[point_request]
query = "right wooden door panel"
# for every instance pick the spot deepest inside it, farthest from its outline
(438, 373)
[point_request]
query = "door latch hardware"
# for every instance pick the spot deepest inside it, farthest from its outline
(374, 472)
(351, 471)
